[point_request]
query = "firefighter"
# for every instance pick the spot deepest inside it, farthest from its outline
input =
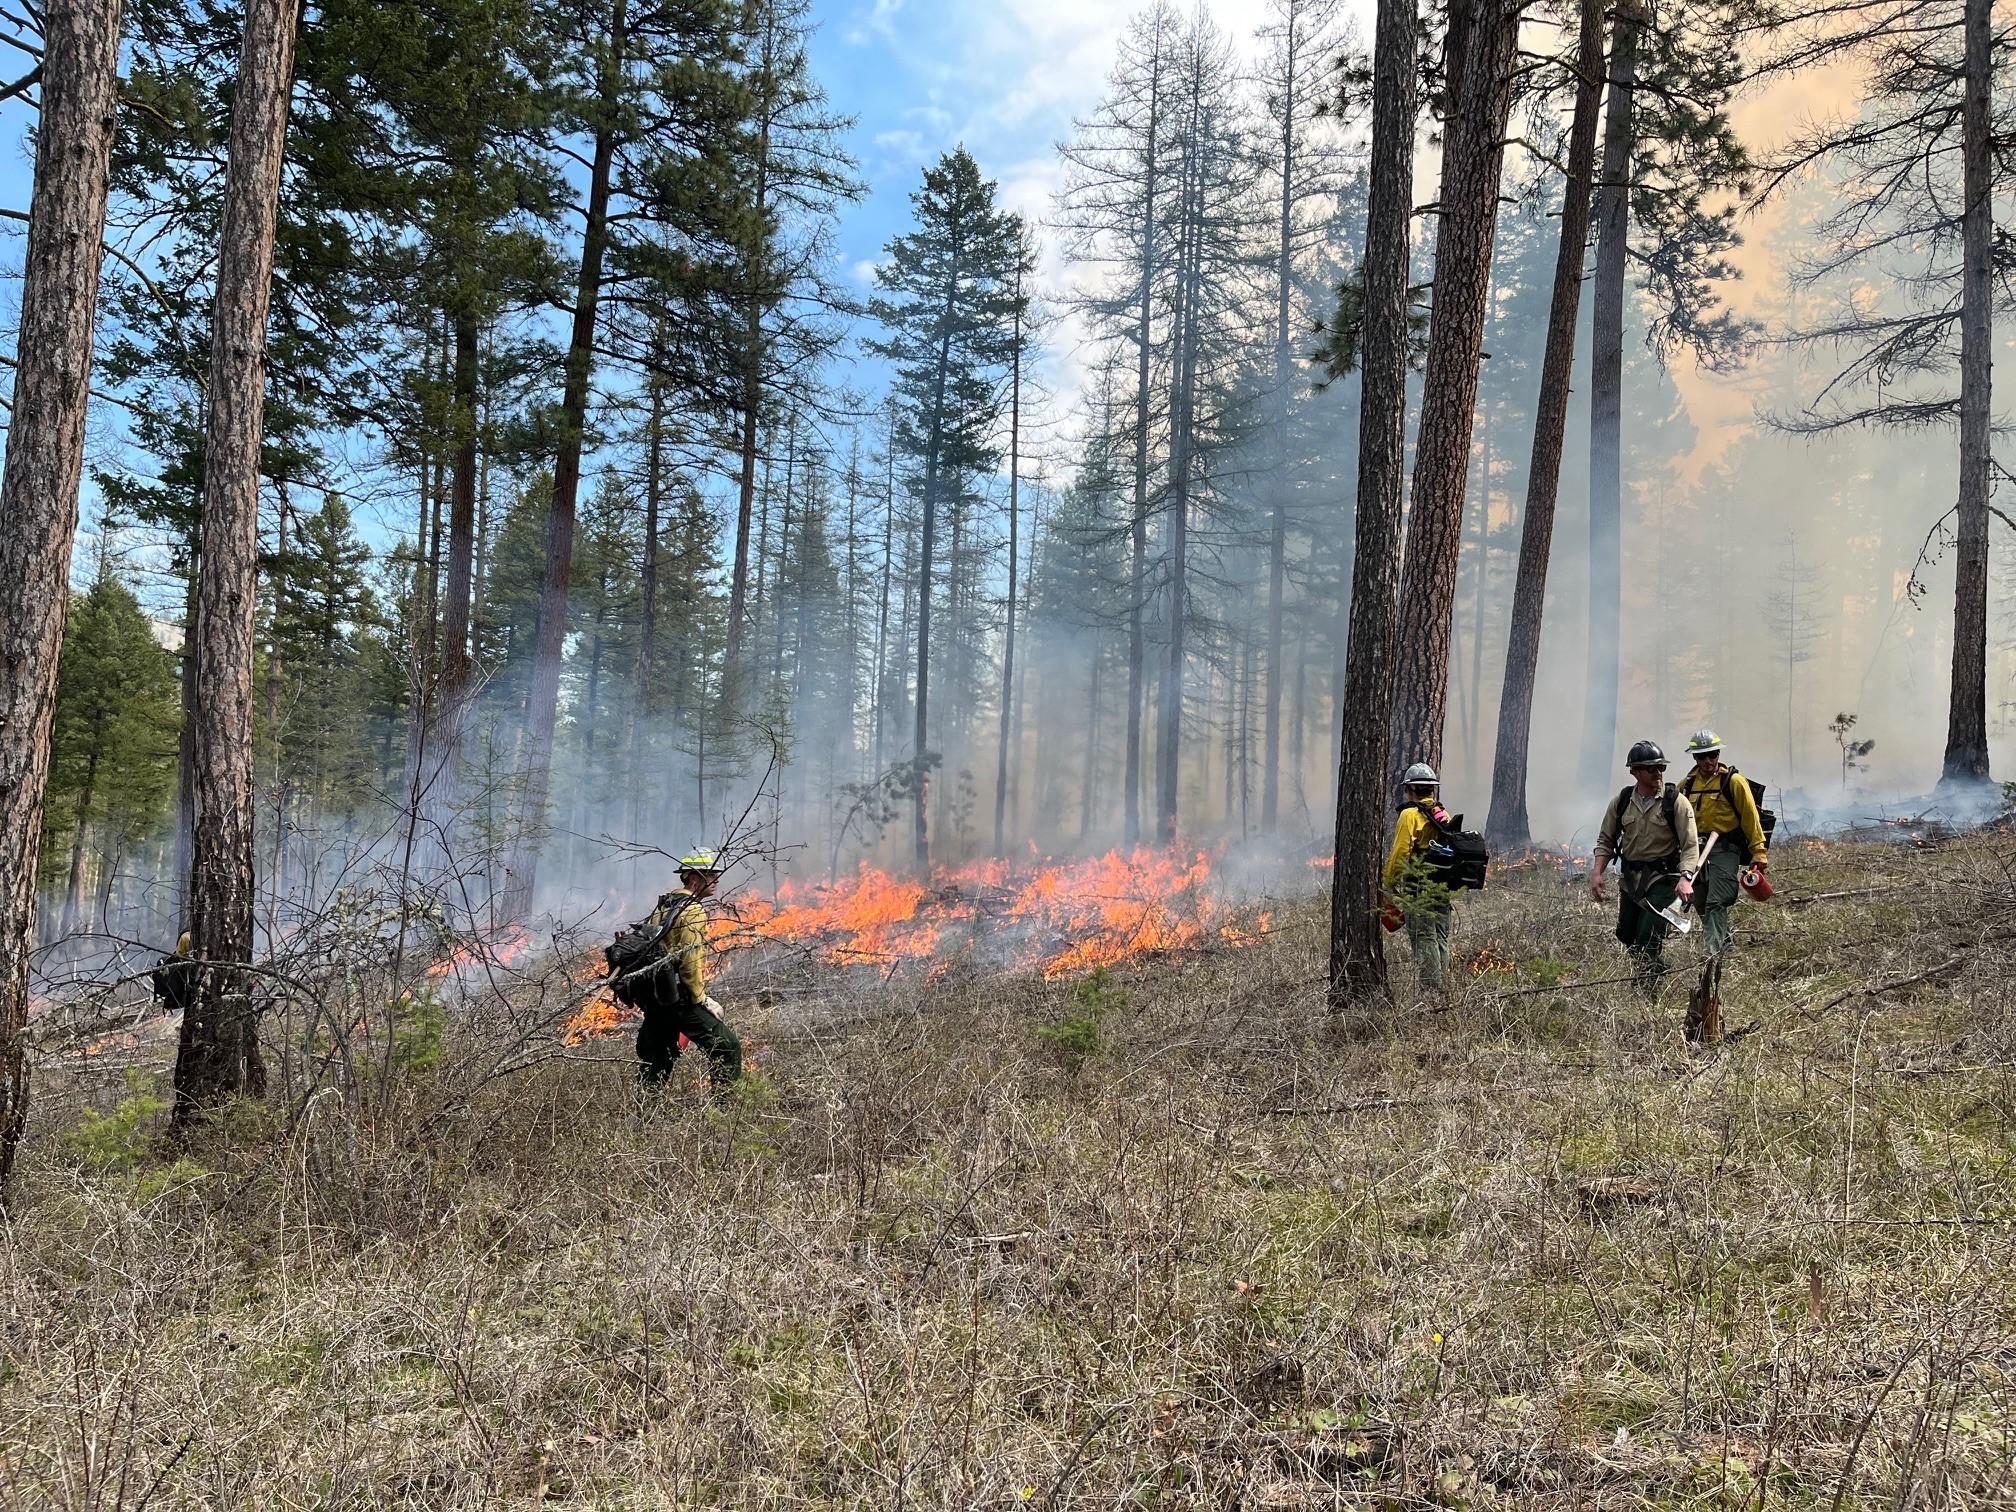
(1428, 919)
(174, 978)
(1649, 828)
(1727, 809)
(673, 994)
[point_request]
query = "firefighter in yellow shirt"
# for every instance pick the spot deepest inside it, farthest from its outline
(1428, 923)
(1726, 809)
(673, 993)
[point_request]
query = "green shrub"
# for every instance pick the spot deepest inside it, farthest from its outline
(122, 1139)
(1079, 1033)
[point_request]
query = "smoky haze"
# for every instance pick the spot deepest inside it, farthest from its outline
(1165, 448)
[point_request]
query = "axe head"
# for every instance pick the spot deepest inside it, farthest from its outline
(1672, 915)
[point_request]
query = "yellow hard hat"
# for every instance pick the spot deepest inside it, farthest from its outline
(700, 861)
(182, 945)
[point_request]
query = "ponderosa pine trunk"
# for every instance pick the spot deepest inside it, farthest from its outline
(1472, 159)
(1606, 411)
(755, 354)
(543, 698)
(1284, 369)
(1357, 957)
(1014, 562)
(921, 822)
(1967, 706)
(1509, 825)
(218, 1054)
(459, 586)
(44, 463)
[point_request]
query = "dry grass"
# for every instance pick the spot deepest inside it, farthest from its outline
(1192, 1246)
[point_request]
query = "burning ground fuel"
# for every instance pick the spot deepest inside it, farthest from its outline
(1052, 918)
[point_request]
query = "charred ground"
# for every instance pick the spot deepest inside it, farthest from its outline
(1159, 1236)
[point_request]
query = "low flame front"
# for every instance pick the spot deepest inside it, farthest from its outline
(1057, 918)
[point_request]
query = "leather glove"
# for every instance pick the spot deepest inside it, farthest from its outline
(712, 1007)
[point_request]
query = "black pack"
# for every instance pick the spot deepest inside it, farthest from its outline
(174, 983)
(638, 948)
(1765, 817)
(1456, 857)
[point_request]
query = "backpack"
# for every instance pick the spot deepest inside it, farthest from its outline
(1456, 857)
(1667, 800)
(637, 949)
(1767, 819)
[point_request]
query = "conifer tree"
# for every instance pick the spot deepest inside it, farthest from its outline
(45, 458)
(947, 301)
(113, 742)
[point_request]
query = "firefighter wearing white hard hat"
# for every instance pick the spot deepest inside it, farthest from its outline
(1428, 918)
(674, 998)
(1724, 801)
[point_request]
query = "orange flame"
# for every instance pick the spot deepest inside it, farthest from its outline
(1056, 918)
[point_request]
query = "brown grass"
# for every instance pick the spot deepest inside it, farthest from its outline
(1174, 1239)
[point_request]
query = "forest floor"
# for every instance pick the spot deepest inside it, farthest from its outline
(1165, 1237)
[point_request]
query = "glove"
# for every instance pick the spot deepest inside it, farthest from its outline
(712, 1007)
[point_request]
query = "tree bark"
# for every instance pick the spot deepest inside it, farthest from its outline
(1182, 407)
(1967, 706)
(1472, 159)
(543, 699)
(218, 1054)
(928, 544)
(1606, 410)
(455, 610)
(1284, 368)
(1509, 825)
(45, 460)
(73, 894)
(1137, 651)
(1014, 563)
(755, 351)
(1357, 959)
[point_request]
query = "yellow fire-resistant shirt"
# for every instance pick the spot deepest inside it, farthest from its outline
(1722, 816)
(1411, 834)
(685, 941)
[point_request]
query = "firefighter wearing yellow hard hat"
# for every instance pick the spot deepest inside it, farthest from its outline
(1727, 808)
(674, 995)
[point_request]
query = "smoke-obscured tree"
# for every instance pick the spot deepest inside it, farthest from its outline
(1670, 168)
(791, 173)
(1110, 213)
(947, 300)
(1212, 337)
(1789, 617)
(1481, 49)
(1912, 240)
(1306, 170)
(1508, 826)
(1380, 339)
(1023, 338)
